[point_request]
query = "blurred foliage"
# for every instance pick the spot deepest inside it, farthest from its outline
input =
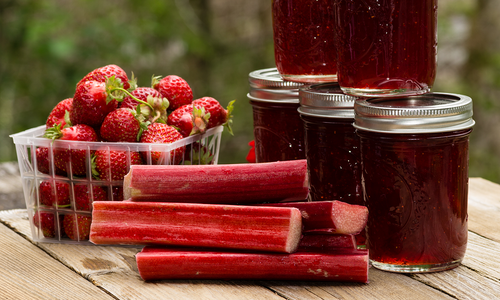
(47, 46)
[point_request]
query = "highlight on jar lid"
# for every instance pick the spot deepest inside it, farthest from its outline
(267, 85)
(326, 100)
(431, 112)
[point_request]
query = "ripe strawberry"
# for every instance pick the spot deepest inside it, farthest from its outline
(46, 222)
(57, 114)
(54, 192)
(141, 93)
(117, 193)
(160, 133)
(77, 226)
(71, 160)
(91, 104)
(218, 114)
(42, 161)
(183, 119)
(83, 197)
(113, 164)
(120, 125)
(102, 73)
(175, 89)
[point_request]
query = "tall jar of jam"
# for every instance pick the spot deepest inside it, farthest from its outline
(386, 48)
(278, 129)
(414, 156)
(331, 144)
(304, 46)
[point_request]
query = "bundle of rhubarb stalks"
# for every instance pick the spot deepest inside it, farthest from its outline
(234, 221)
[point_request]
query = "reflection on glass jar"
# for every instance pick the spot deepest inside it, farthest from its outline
(278, 129)
(414, 154)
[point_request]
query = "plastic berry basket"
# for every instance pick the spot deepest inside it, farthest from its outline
(196, 149)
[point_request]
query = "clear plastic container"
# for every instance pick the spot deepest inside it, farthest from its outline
(414, 154)
(34, 174)
(278, 129)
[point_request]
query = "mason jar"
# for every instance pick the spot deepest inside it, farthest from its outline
(277, 127)
(414, 157)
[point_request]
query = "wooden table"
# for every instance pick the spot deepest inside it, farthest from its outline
(32, 270)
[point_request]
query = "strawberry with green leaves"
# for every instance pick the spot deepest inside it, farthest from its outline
(160, 133)
(91, 103)
(77, 226)
(54, 192)
(141, 93)
(74, 160)
(58, 113)
(175, 89)
(103, 73)
(200, 115)
(112, 165)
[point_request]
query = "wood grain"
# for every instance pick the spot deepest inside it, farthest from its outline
(484, 208)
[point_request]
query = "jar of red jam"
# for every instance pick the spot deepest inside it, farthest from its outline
(386, 48)
(414, 156)
(304, 46)
(278, 129)
(331, 144)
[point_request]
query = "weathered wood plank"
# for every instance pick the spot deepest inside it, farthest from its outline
(484, 208)
(27, 272)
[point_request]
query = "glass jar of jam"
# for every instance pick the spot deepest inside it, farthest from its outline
(331, 143)
(304, 46)
(278, 129)
(386, 48)
(414, 156)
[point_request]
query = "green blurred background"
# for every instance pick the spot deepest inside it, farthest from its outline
(47, 46)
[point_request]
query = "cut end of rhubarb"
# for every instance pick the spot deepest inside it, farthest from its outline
(349, 218)
(295, 231)
(126, 186)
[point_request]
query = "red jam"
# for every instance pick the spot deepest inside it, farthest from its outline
(386, 47)
(304, 40)
(414, 157)
(278, 131)
(416, 186)
(333, 157)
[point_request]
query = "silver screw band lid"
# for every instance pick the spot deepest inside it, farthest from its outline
(326, 100)
(268, 86)
(427, 113)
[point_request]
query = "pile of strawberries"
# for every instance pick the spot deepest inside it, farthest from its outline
(109, 107)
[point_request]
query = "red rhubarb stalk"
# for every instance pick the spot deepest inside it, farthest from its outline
(170, 263)
(222, 184)
(326, 242)
(275, 229)
(330, 216)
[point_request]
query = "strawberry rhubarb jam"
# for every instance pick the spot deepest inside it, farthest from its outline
(331, 144)
(386, 47)
(278, 129)
(304, 45)
(414, 156)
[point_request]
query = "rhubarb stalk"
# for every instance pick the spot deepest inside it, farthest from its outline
(329, 216)
(155, 263)
(222, 184)
(274, 229)
(326, 242)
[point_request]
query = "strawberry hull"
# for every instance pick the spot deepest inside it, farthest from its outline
(196, 225)
(220, 184)
(155, 263)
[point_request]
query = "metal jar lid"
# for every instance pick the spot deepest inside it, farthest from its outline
(268, 86)
(427, 113)
(326, 100)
